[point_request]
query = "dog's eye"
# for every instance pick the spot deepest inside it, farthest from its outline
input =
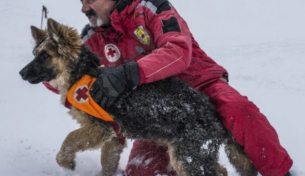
(44, 55)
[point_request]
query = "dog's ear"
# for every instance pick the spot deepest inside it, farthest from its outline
(54, 29)
(38, 34)
(63, 34)
(66, 38)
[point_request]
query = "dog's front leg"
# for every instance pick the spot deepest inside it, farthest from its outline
(87, 137)
(110, 156)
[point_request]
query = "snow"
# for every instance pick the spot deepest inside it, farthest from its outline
(206, 145)
(261, 43)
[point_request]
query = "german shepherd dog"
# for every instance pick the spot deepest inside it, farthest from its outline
(168, 112)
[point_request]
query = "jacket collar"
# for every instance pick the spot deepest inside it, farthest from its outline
(122, 4)
(122, 9)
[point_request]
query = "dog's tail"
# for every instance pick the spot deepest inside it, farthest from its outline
(239, 159)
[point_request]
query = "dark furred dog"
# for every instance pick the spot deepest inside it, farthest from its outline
(169, 111)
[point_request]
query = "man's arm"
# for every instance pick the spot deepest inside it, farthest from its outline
(173, 39)
(172, 56)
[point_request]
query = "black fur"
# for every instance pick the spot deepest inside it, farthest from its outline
(39, 69)
(87, 60)
(169, 110)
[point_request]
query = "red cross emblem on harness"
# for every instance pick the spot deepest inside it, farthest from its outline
(81, 94)
(112, 52)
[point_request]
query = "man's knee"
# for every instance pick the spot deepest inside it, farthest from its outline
(149, 159)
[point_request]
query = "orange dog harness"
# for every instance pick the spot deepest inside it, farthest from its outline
(80, 97)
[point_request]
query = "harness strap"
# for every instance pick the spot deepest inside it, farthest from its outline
(118, 131)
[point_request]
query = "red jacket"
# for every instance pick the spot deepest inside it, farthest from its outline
(154, 35)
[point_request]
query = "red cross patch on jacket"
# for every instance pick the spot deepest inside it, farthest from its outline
(80, 97)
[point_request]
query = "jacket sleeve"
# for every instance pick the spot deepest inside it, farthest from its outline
(173, 40)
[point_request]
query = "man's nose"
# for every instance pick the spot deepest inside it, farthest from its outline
(85, 7)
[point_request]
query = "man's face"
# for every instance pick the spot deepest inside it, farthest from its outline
(98, 11)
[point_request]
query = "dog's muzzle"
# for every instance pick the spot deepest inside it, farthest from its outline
(24, 73)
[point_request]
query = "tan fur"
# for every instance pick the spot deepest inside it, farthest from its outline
(110, 152)
(177, 166)
(69, 47)
(222, 171)
(63, 44)
(239, 160)
(62, 79)
(89, 136)
(79, 116)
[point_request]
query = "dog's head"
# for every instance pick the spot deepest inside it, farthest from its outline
(56, 53)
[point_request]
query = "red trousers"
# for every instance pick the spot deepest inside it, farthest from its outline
(249, 127)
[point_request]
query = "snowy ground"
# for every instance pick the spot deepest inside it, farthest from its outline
(260, 42)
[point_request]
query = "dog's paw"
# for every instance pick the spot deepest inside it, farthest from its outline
(66, 160)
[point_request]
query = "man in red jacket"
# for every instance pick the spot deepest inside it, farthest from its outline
(146, 41)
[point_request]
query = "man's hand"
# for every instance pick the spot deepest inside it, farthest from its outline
(111, 82)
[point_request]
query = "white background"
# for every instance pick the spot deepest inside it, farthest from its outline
(260, 42)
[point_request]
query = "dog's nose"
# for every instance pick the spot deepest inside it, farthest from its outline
(23, 73)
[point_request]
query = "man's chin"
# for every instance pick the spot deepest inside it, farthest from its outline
(93, 21)
(93, 25)
(99, 22)
(96, 22)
